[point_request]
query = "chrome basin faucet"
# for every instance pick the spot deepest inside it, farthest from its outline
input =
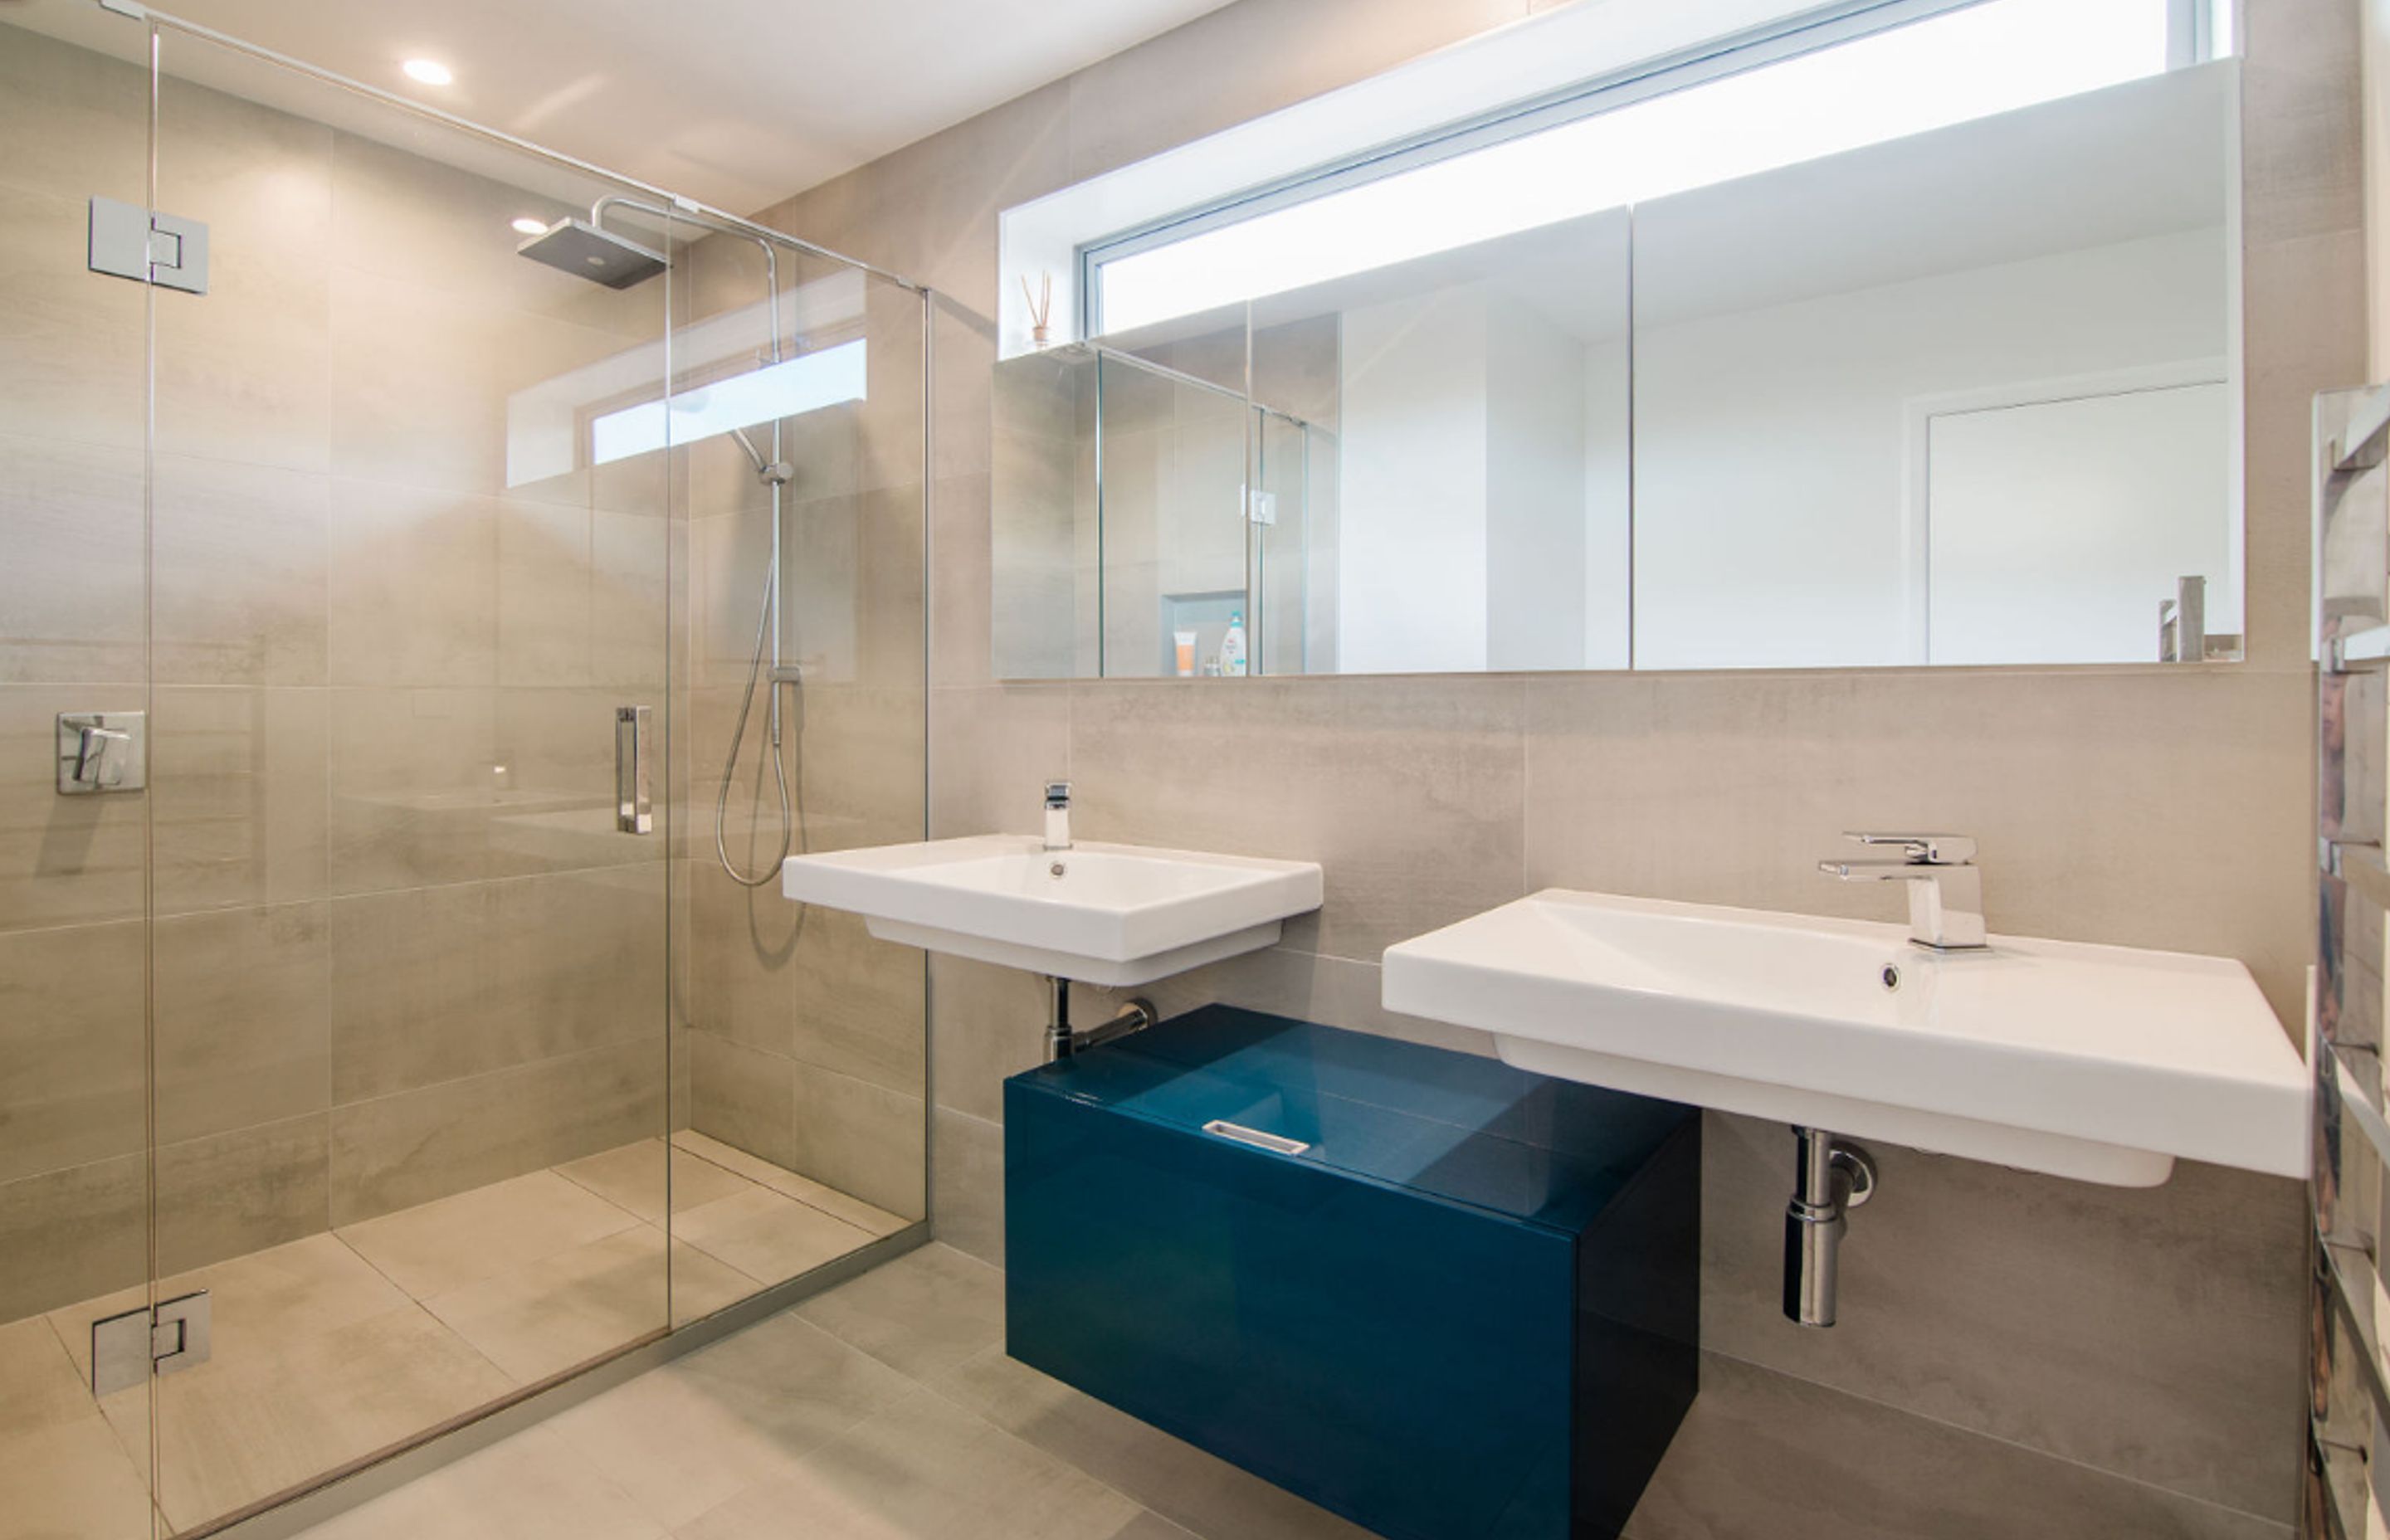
(1946, 892)
(1058, 815)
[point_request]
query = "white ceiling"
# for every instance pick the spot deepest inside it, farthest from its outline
(739, 103)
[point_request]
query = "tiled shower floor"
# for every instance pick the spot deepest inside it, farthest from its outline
(333, 1347)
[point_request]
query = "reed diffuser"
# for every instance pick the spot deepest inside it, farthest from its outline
(1041, 307)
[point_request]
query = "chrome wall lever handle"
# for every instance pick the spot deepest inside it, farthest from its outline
(100, 751)
(99, 756)
(1923, 849)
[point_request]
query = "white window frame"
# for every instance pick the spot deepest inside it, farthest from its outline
(2192, 38)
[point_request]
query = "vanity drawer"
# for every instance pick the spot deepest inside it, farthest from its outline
(1440, 1296)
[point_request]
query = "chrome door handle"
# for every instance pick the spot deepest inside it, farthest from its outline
(634, 811)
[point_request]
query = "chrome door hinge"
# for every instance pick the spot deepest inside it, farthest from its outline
(125, 1349)
(129, 241)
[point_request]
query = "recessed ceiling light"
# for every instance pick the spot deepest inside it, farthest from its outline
(430, 71)
(530, 227)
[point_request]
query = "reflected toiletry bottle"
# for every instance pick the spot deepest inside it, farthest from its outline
(1185, 643)
(1232, 646)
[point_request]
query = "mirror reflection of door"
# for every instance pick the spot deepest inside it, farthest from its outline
(2053, 529)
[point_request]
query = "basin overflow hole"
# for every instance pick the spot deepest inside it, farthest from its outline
(1891, 976)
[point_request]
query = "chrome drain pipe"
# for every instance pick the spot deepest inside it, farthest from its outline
(1828, 1178)
(1062, 1042)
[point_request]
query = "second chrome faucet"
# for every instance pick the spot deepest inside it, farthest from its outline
(1946, 890)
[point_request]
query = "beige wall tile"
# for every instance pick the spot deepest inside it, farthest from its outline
(410, 218)
(2295, 292)
(2152, 1332)
(1727, 789)
(414, 585)
(240, 573)
(581, 596)
(862, 752)
(91, 108)
(743, 1096)
(861, 1138)
(858, 1003)
(428, 415)
(1408, 791)
(991, 751)
(72, 1058)
(745, 945)
(243, 1019)
(433, 984)
(73, 1234)
(967, 1173)
(72, 353)
(988, 1023)
(2301, 154)
(226, 1195)
(237, 801)
(1336, 992)
(962, 604)
(414, 785)
(70, 593)
(399, 1151)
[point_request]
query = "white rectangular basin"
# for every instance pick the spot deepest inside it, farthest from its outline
(2105, 1063)
(1114, 915)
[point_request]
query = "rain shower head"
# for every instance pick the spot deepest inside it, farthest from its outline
(577, 247)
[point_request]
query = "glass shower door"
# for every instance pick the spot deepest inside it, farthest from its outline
(74, 1173)
(412, 544)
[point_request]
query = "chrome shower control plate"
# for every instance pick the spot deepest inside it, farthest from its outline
(102, 752)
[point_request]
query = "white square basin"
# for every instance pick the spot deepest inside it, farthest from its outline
(2105, 1063)
(1112, 914)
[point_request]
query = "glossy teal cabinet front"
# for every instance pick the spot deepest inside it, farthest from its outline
(1442, 1297)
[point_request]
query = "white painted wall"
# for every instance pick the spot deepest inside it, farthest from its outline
(1534, 491)
(2059, 526)
(1411, 553)
(1609, 529)
(1768, 444)
(1461, 534)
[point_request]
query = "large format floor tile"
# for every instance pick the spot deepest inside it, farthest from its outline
(854, 1211)
(543, 1318)
(923, 1470)
(767, 1236)
(633, 1177)
(337, 1346)
(698, 1431)
(451, 1242)
(231, 1433)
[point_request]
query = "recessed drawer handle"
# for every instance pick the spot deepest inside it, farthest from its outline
(1243, 1135)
